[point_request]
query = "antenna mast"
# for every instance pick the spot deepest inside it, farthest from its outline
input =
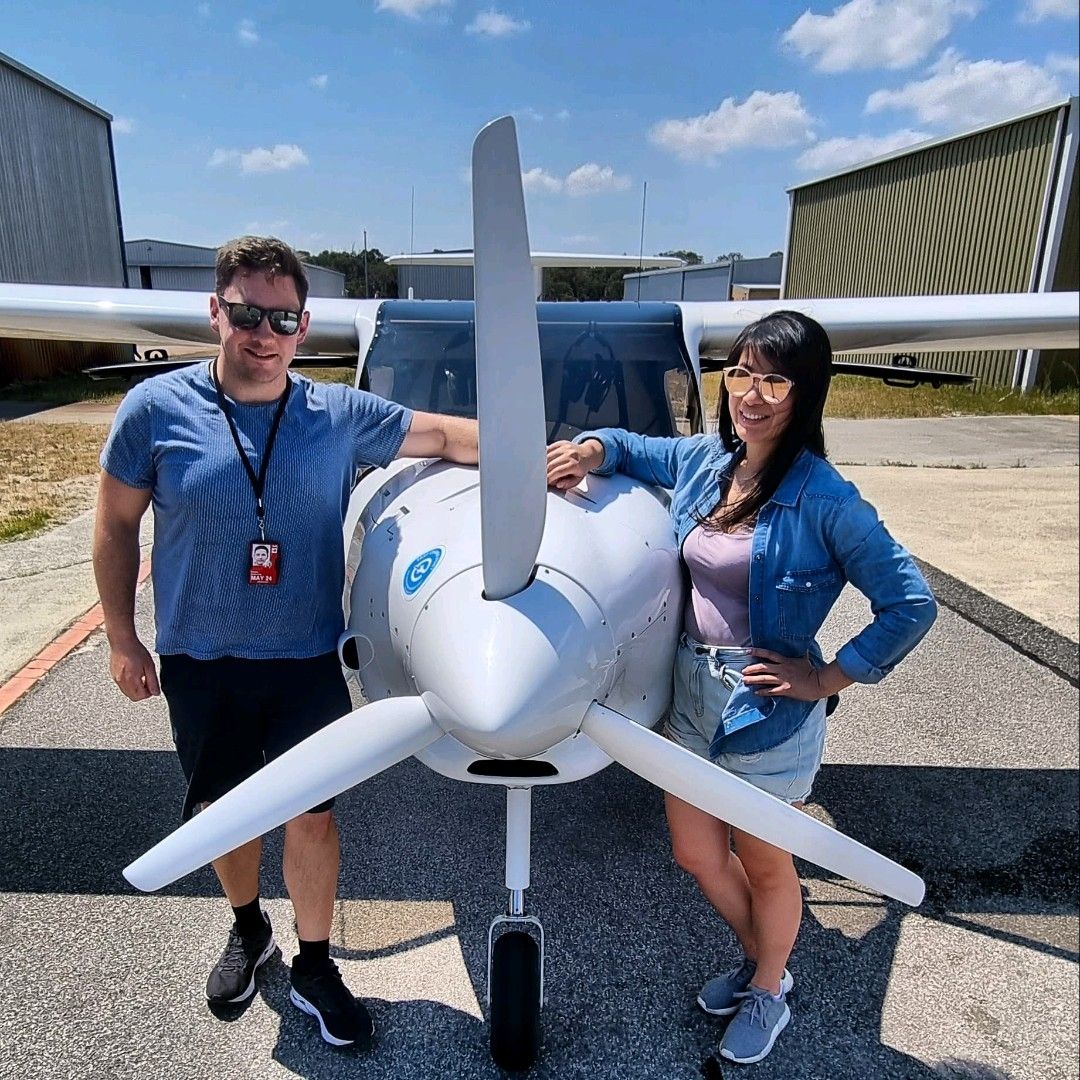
(641, 245)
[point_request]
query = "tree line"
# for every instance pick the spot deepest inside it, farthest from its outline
(366, 274)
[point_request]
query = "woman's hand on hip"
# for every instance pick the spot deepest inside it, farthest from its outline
(784, 676)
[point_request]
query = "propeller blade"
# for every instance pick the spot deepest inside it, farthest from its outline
(710, 788)
(509, 387)
(341, 755)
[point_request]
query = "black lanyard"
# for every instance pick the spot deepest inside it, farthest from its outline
(258, 482)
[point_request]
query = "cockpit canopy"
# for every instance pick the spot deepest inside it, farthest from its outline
(604, 364)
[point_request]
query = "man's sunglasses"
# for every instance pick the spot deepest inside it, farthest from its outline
(248, 317)
(773, 387)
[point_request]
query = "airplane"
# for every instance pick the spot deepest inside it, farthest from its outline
(502, 633)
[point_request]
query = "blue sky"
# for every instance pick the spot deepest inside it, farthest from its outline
(316, 121)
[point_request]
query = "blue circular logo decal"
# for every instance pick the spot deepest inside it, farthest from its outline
(420, 570)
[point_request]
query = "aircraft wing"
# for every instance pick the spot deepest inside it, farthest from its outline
(156, 317)
(866, 324)
(891, 324)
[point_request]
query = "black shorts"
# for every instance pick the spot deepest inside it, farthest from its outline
(231, 716)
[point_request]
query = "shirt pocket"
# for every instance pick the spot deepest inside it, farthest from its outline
(803, 600)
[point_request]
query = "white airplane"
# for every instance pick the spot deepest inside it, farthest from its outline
(500, 632)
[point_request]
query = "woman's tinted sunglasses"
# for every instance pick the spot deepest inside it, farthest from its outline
(773, 387)
(248, 316)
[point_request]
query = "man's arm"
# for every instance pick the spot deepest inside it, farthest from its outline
(116, 567)
(451, 437)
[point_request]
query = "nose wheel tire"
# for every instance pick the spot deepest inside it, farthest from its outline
(515, 1000)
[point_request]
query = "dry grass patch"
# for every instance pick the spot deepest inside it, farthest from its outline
(48, 473)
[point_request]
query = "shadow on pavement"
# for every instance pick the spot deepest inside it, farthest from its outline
(628, 935)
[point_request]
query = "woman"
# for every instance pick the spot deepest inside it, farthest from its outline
(769, 533)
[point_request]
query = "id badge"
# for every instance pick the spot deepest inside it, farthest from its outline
(264, 562)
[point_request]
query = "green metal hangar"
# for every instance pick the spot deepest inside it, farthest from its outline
(59, 210)
(987, 211)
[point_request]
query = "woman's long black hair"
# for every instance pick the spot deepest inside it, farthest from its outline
(799, 348)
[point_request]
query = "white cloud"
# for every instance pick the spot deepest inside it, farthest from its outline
(247, 33)
(538, 117)
(492, 23)
(1037, 10)
(581, 238)
(965, 93)
(411, 9)
(593, 179)
(831, 154)
(266, 228)
(763, 119)
(203, 11)
(123, 125)
(587, 179)
(875, 33)
(319, 81)
(260, 159)
(537, 180)
(1068, 66)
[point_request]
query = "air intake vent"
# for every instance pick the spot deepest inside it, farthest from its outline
(515, 768)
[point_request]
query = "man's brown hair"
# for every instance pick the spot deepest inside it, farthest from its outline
(266, 253)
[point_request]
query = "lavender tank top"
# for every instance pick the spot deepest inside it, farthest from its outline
(718, 609)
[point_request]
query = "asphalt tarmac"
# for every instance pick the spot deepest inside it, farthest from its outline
(962, 765)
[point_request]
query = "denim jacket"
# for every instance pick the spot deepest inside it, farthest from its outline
(812, 536)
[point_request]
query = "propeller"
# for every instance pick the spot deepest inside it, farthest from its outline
(341, 755)
(509, 385)
(710, 788)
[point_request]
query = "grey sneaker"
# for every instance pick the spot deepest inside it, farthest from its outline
(756, 1026)
(232, 979)
(723, 995)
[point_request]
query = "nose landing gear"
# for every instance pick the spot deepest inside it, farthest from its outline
(515, 957)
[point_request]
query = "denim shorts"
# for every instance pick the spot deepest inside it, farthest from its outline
(786, 771)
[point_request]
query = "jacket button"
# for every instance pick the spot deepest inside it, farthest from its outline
(758, 557)
(755, 598)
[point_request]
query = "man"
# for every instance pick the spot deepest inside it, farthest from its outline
(249, 469)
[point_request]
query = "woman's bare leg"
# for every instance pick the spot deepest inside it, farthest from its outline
(702, 846)
(775, 906)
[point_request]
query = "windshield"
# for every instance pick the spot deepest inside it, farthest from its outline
(604, 364)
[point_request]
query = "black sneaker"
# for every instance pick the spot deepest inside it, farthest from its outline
(233, 977)
(343, 1021)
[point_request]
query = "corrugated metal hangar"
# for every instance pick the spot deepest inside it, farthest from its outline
(991, 210)
(725, 279)
(158, 264)
(448, 275)
(59, 209)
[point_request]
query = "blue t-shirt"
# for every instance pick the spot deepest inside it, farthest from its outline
(171, 436)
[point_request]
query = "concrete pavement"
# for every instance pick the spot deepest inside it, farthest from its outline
(46, 583)
(965, 442)
(78, 412)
